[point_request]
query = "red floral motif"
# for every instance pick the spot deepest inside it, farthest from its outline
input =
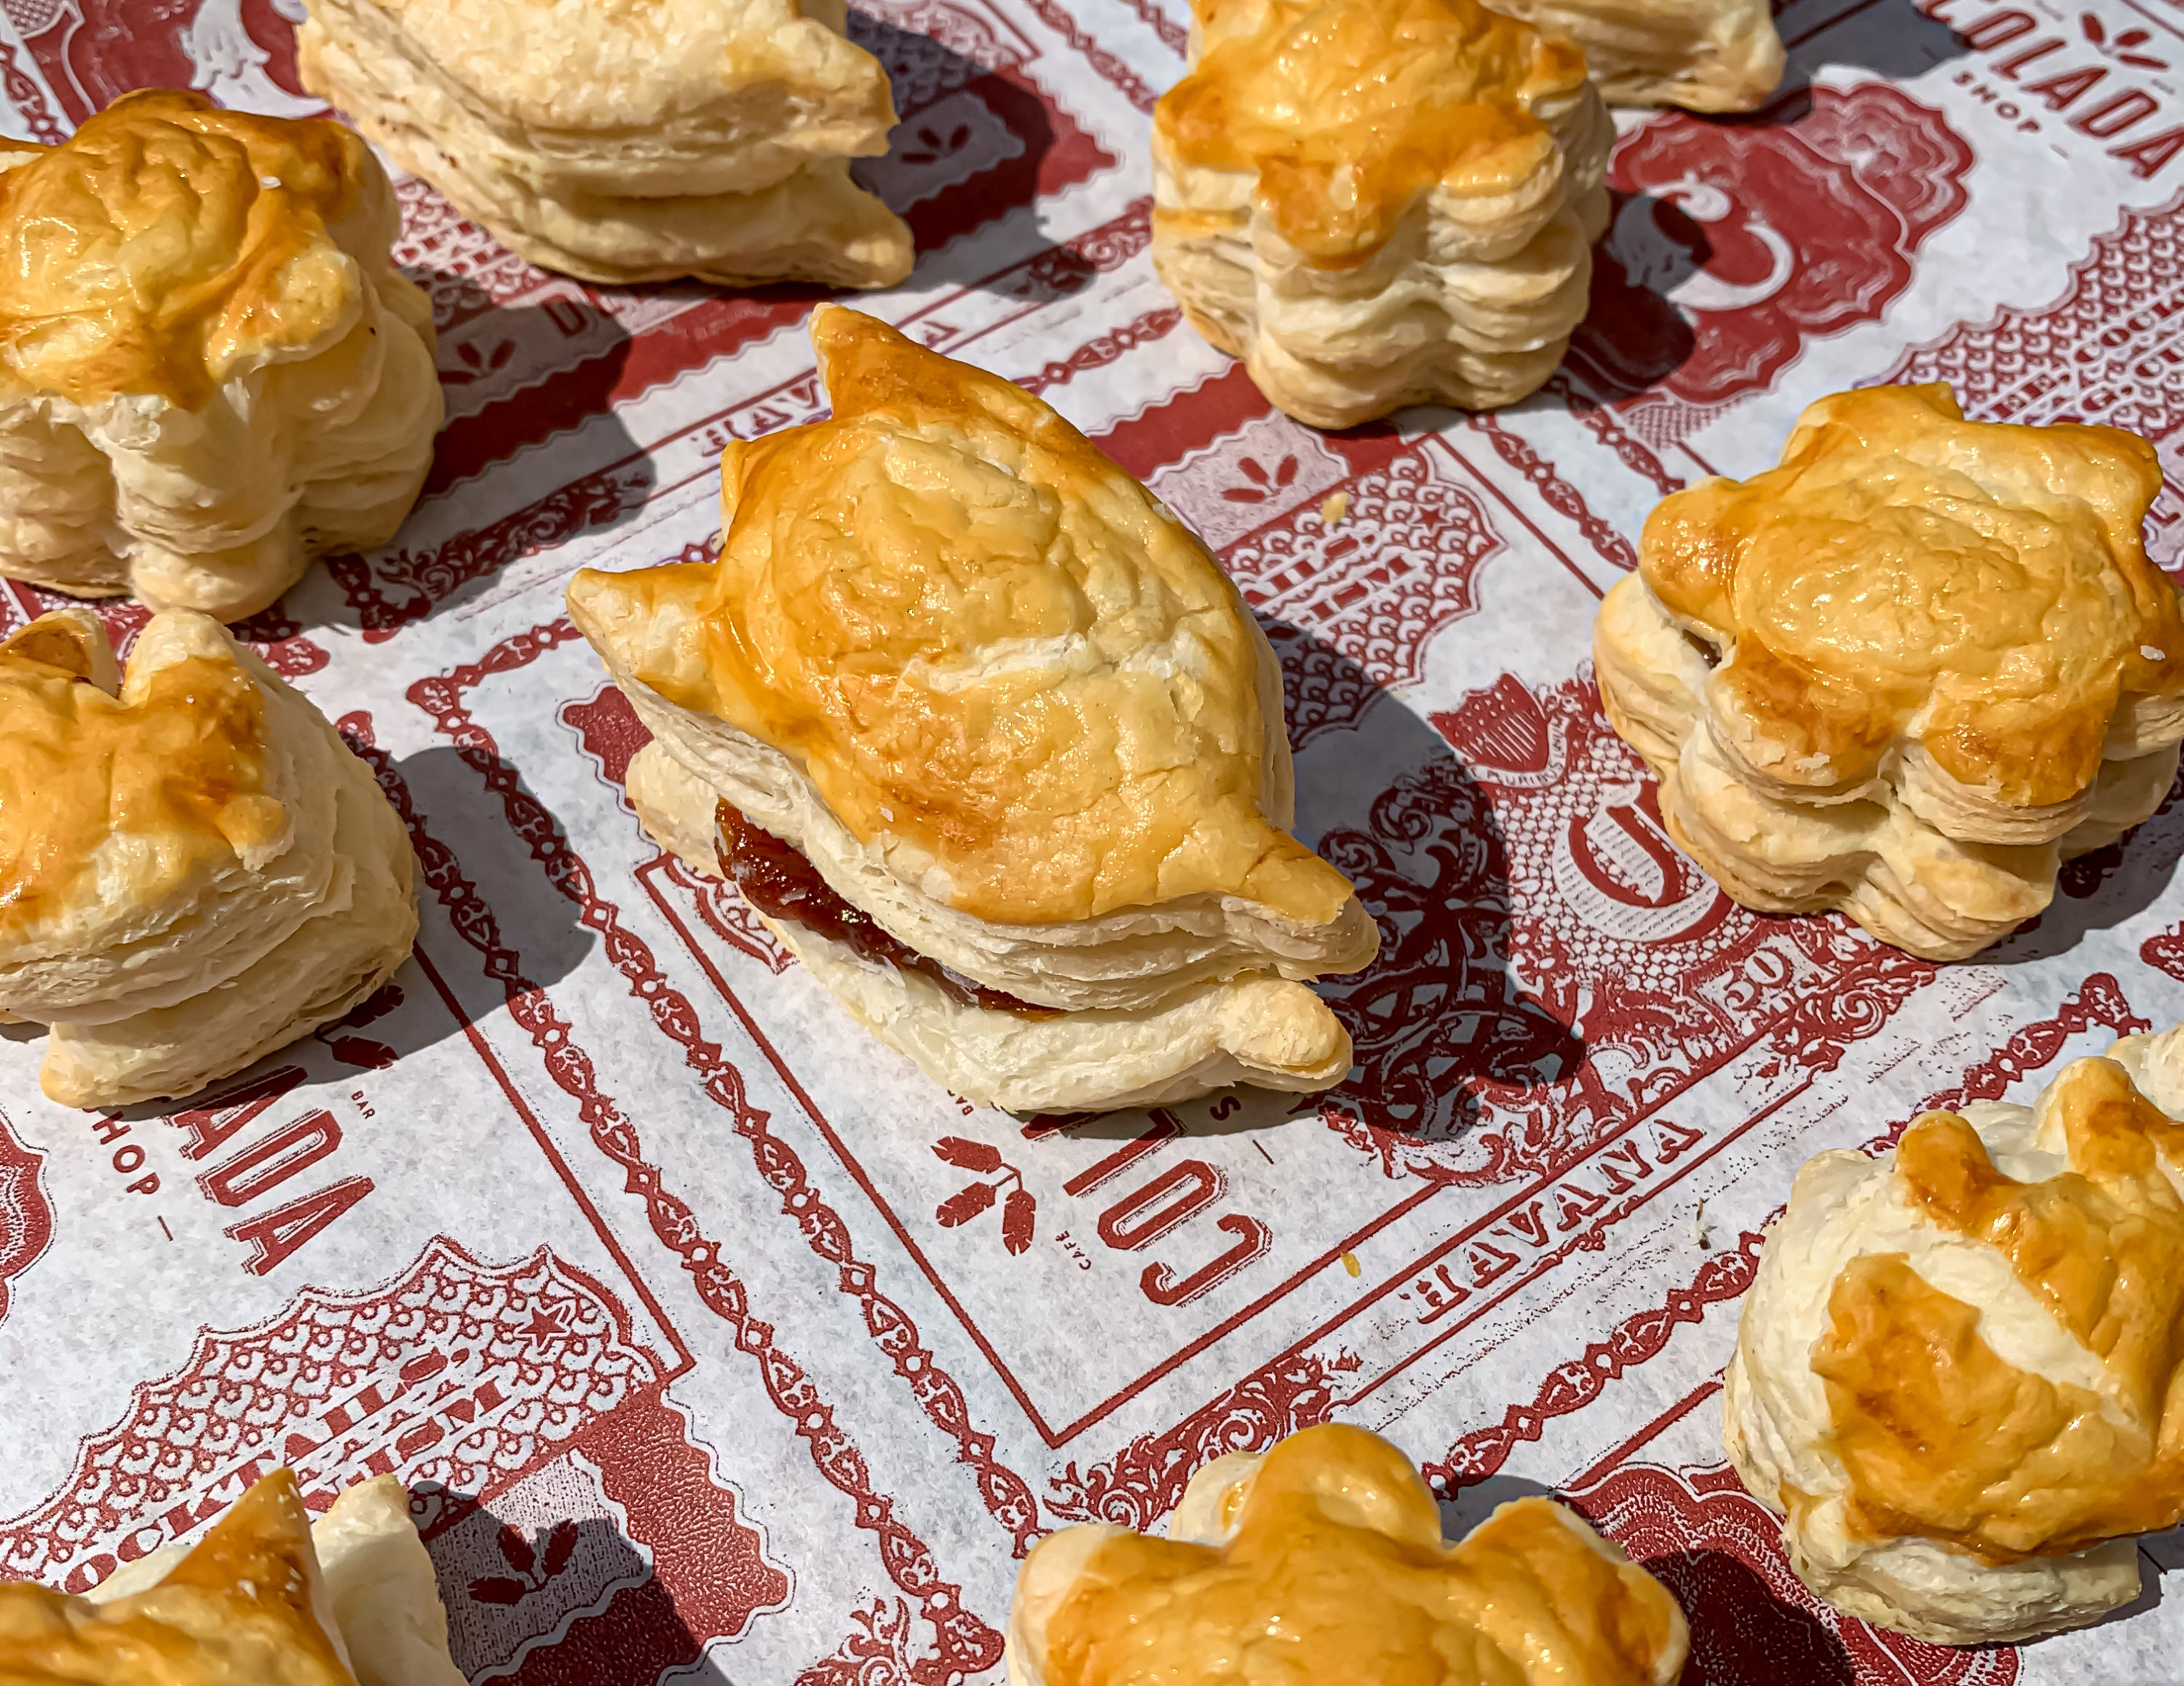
(966, 1643)
(1019, 1211)
(1717, 1549)
(532, 1568)
(26, 1220)
(877, 1654)
(1736, 245)
(1144, 1482)
(1538, 927)
(2127, 47)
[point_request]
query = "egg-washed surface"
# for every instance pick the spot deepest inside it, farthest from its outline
(1980, 586)
(1349, 109)
(171, 770)
(169, 243)
(1334, 1571)
(1944, 1439)
(986, 645)
(244, 1608)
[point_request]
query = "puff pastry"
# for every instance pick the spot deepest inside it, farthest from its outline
(267, 1598)
(1323, 1561)
(210, 371)
(1906, 673)
(1704, 55)
(1377, 202)
(959, 684)
(629, 140)
(1956, 1375)
(194, 869)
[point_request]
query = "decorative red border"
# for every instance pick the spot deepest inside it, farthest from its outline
(967, 1645)
(1006, 1495)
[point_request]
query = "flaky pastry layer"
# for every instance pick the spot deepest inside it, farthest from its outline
(1375, 205)
(1704, 55)
(1955, 1375)
(194, 869)
(210, 371)
(1906, 673)
(629, 140)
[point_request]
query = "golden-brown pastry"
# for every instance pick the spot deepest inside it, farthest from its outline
(211, 370)
(629, 140)
(1959, 1374)
(194, 869)
(1704, 55)
(1322, 1560)
(1377, 202)
(1909, 672)
(991, 742)
(267, 1598)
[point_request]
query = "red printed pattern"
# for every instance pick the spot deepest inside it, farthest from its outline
(967, 1642)
(26, 1220)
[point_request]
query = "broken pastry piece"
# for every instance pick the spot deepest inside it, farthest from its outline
(211, 370)
(1704, 55)
(267, 1598)
(1956, 1375)
(194, 869)
(625, 141)
(1909, 672)
(1379, 202)
(1323, 1561)
(990, 742)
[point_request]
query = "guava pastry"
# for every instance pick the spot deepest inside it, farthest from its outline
(210, 371)
(1956, 1376)
(267, 1598)
(629, 140)
(1704, 55)
(1321, 1560)
(990, 742)
(194, 869)
(1379, 202)
(1906, 673)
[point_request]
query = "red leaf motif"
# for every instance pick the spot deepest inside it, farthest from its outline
(1287, 473)
(965, 1205)
(2143, 62)
(2133, 38)
(976, 1156)
(362, 1051)
(2091, 25)
(516, 1550)
(498, 1589)
(1018, 1213)
(561, 1547)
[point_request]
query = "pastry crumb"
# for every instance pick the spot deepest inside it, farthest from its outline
(1336, 506)
(1350, 1263)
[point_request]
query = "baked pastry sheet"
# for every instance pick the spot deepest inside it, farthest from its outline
(705, 1331)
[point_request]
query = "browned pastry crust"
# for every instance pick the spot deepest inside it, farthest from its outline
(1907, 672)
(210, 371)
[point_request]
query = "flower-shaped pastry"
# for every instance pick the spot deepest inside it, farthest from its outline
(1322, 1560)
(194, 869)
(1704, 55)
(1959, 1374)
(267, 1598)
(1376, 202)
(1909, 672)
(629, 140)
(992, 743)
(210, 371)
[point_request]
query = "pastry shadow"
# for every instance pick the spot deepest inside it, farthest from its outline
(1894, 41)
(1634, 337)
(1742, 1633)
(2101, 890)
(969, 149)
(1441, 1018)
(1473, 1504)
(580, 1586)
